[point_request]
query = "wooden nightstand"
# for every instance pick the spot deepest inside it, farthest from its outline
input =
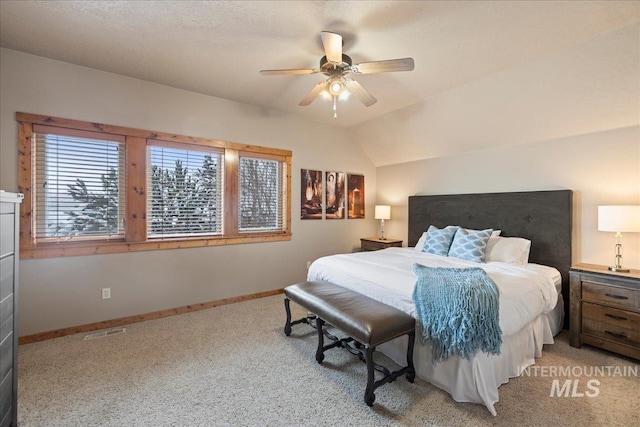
(605, 309)
(375, 243)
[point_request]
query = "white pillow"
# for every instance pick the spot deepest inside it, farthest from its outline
(494, 233)
(514, 250)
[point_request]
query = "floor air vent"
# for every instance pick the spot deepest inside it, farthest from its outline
(107, 333)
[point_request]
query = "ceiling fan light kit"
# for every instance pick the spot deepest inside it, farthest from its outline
(336, 65)
(336, 85)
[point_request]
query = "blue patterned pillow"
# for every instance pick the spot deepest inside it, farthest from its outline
(439, 240)
(470, 245)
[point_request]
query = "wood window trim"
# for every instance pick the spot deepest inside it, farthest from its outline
(136, 141)
(54, 130)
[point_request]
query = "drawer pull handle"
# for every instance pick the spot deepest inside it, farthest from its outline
(616, 296)
(615, 334)
(615, 317)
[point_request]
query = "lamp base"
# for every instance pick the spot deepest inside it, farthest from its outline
(382, 230)
(619, 269)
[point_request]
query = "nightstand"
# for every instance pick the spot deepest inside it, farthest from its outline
(605, 309)
(375, 243)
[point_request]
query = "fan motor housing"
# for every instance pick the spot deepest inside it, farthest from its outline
(331, 68)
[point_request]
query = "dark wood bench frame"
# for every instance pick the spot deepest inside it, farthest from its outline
(315, 321)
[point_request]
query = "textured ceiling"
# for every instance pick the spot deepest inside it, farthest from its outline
(217, 48)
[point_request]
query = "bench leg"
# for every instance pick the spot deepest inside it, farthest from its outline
(411, 373)
(287, 325)
(320, 350)
(369, 396)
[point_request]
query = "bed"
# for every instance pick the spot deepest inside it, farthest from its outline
(532, 296)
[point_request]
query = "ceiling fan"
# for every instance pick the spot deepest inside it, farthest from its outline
(336, 65)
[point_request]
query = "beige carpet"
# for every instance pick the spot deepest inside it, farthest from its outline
(232, 365)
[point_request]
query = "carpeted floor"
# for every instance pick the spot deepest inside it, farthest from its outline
(232, 365)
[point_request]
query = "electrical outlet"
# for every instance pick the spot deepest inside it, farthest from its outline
(106, 293)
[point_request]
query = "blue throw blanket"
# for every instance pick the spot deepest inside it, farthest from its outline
(457, 310)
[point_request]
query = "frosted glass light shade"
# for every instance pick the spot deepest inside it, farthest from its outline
(619, 219)
(383, 212)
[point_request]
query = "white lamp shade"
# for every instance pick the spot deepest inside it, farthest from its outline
(383, 212)
(619, 219)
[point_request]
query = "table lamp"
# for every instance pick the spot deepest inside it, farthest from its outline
(619, 219)
(382, 212)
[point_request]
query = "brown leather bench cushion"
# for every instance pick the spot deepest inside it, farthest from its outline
(368, 321)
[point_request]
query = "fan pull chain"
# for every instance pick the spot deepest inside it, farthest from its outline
(335, 107)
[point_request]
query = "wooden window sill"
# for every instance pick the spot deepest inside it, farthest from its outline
(51, 250)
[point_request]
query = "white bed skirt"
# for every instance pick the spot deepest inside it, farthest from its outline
(556, 316)
(477, 380)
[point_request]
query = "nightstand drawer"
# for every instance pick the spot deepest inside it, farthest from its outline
(611, 316)
(611, 332)
(603, 294)
(375, 244)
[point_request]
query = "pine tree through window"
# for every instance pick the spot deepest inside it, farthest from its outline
(80, 189)
(185, 192)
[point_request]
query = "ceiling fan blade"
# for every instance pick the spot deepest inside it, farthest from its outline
(313, 94)
(403, 64)
(360, 92)
(289, 71)
(332, 43)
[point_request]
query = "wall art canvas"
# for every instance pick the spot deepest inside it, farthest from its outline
(311, 194)
(355, 196)
(335, 197)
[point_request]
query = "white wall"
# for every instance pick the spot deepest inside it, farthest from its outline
(573, 115)
(588, 88)
(62, 292)
(566, 120)
(600, 168)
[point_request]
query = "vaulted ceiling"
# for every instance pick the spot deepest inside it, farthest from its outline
(218, 47)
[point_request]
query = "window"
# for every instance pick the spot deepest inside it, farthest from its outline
(92, 188)
(185, 189)
(80, 185)
(261, 194)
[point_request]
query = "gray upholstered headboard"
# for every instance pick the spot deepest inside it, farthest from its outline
(544, 217)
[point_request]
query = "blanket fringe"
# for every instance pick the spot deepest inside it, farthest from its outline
(458, 311)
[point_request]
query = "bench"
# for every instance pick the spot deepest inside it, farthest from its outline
(367, 322)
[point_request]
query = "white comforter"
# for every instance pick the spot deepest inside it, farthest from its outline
(526, 291)
(527, 294)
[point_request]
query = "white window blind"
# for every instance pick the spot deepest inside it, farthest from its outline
(262, 194)
(185, 197)
(79, 186)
